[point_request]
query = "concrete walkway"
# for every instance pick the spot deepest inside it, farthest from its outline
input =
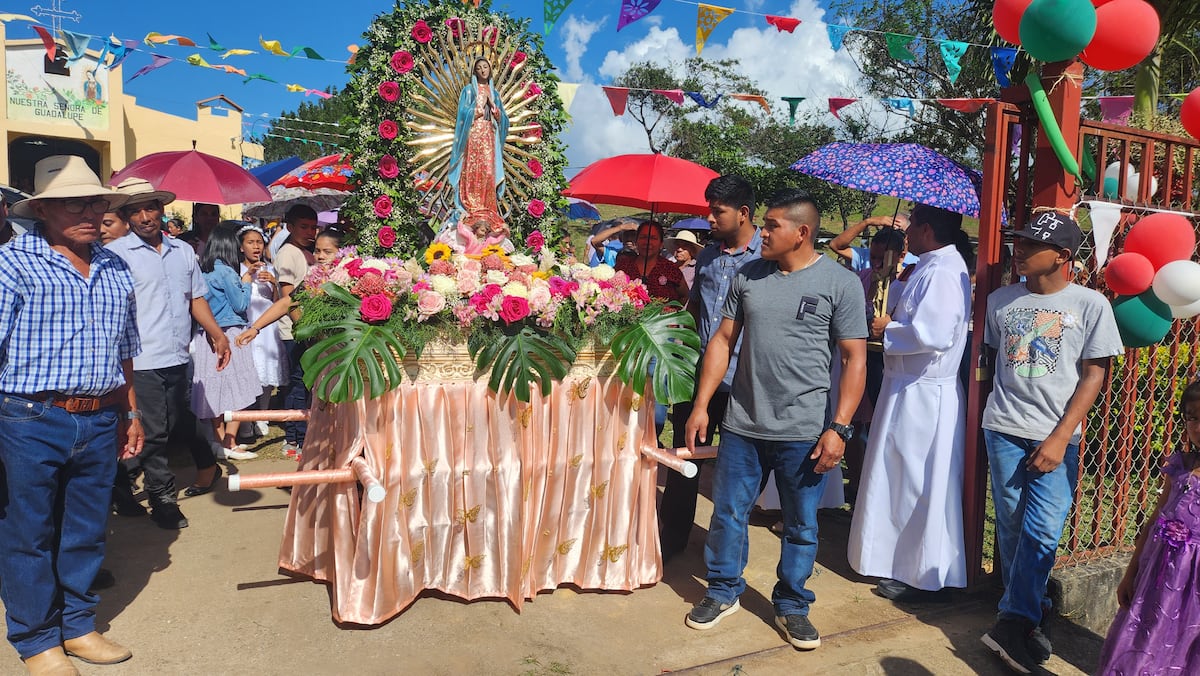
(209, 600)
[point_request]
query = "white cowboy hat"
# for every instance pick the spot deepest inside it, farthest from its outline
(139, 190)
(64, 177)
(681, 238)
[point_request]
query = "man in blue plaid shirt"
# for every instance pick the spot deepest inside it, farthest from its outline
(68, 335)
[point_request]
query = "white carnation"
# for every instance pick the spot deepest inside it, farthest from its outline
(447, 286)
(516, 289)
(603, 273)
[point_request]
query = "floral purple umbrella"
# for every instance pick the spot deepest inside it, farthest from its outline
(906, 170)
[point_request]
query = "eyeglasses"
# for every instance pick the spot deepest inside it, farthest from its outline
(97, 205)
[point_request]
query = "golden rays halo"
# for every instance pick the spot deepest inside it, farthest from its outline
(444, 66)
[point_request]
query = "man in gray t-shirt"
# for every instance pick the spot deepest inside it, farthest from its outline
(789, 309)
(1052, 341)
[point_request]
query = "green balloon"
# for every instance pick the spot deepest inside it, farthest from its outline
(1057, 30)
(1142, 319)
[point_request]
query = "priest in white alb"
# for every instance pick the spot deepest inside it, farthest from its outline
(907, 526)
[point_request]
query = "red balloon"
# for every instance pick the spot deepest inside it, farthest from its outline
(1189, 114)
(1006, 17)
(1126, 32)
(1098, 3)
(1162, 238)
(1129, 274)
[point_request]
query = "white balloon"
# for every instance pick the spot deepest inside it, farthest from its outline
(1178, 283)
(1133, 180)
(1185, 311)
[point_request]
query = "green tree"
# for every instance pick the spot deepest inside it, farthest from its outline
(312, 130)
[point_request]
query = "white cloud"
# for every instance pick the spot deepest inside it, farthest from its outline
(577, 33)
(595, 133)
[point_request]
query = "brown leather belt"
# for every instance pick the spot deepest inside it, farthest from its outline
(78, 403)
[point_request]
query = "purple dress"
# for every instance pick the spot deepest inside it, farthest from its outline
(1160, 632)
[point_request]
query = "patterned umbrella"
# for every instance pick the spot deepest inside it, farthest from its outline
(332, 172)
(905, 170)
(282, 199)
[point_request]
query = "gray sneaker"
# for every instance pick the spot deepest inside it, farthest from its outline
(707, 613)
(1009, 639)
(799, 631)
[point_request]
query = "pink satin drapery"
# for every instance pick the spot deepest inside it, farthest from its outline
(486, 497)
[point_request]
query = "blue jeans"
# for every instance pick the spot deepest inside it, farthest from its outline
(742, 466)
(1031, 508)
(56, 471)
(296, 394)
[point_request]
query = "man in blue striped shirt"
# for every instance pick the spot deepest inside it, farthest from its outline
(68, 335)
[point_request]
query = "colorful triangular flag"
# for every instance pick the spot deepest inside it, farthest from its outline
(837, 34)
(272, 46)
(753, 98)
(213, 44)
(897, 46)
(701, 101)
(566, 94)
(153, 39)
(258, 76)
(783, 23)
(836, 105)
(792, 102)
(197, 60)
(76, 44)
(47, 42)
(952, 52)
(308, 52)
(295, 88)
(551, 10)
(707, 18)
(902, 104)
(1116, 109)
(632, 10)
(617, 98)
(1002, 62)
(675, 95)
(965, 105)
(237, 52)
(158, 61)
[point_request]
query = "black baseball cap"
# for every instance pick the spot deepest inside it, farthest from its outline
(1053, 228)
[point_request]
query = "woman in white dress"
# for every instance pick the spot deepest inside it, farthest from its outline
(267, 347)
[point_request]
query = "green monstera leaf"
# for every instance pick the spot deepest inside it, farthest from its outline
(663, 348)
(523, 357)
(352, 358)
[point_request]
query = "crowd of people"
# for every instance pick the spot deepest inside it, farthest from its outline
(119, 339)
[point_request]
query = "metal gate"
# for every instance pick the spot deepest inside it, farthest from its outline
(1134, 424)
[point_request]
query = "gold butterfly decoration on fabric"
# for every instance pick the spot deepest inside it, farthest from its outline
(417, 553)
(599, 490)
(613, 554)
(408, 497)
(565, 546)
(473, 562)
(524, 415)
(430, 466)
(576, 461)
(387, 453)
(461, 517)
(621, 441)
(581, 387)
(635, 402)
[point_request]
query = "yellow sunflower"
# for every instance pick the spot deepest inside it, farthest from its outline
(437, 251)
(494, 250)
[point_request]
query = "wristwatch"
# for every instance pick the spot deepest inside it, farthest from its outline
(846, 432)
(133, 415)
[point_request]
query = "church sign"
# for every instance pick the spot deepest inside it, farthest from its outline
(73, 94)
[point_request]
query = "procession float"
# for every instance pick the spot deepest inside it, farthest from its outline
(482, 421)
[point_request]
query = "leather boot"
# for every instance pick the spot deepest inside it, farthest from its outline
(52, 662)
(95, 649)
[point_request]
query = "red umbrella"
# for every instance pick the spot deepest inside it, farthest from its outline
(656, 182)
(332, 171)
(196, 177)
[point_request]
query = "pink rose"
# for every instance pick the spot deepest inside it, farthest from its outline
(536, 240)
(490, 35)
(485, 295)
(536, 208)
(421, 32)
(389, 167)
(533, 90)
(389, 91)
(517, 59)
(353, 267)
(456, 26)
(383, 206)
(536, 132)
(402, 61)
(513, 309)
(535, 168)
(421, 286)
(386, 237)
(388, 129)
(430, 303)
(376, 308)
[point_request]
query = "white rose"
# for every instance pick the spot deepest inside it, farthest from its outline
(447, 286)
(496, 277)
(516, 289)
(603, 273)
(520, 259)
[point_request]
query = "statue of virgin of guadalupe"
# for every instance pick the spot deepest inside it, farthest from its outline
(476, 159)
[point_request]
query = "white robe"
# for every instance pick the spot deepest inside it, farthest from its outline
(907, 523)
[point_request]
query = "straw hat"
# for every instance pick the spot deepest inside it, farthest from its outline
(683, 238)
(64, 177)
(139, 190)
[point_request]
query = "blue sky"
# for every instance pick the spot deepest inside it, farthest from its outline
(584, 45)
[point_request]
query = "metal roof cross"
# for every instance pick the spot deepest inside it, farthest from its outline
(56, 14)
